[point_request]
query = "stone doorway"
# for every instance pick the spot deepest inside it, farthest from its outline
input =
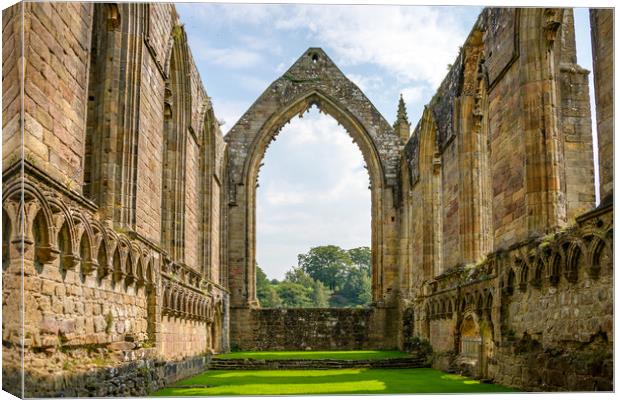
(475, 345)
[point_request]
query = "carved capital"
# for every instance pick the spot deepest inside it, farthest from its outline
(70, 261)
(47, 254)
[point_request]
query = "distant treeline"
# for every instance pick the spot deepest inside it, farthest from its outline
(327, 276)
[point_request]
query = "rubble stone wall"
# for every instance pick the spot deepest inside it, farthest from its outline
(313, 329)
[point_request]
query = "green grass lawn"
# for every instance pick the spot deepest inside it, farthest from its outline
(315, 355)
(318, 382)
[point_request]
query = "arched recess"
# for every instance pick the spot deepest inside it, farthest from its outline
(110, 163)
(177, 118)
(471, 340)
(430, 178)
(312, 81)
(212, 192)
(6, 240)
(86, 262)
(216, 330)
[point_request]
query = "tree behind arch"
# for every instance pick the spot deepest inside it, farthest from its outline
(327, 264)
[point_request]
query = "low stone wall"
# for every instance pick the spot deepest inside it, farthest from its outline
(416, 361)
(138, 375)
(312, 329)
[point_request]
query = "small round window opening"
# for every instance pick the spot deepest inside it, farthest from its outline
(315, 58)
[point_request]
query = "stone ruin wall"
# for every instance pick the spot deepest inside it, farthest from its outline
(110, 306)
(492, 255)
(121, 296)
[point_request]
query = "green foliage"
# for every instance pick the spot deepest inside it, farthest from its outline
(265, 291)
(177, 32)
(355, 291)
(326, 264)
(99, 361)
(68, 365)
(418, 345)
(320, 295)
(327, 276)
(294, 295)
(362, 258)
(297, 275)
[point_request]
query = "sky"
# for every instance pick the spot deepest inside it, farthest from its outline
(313, 186)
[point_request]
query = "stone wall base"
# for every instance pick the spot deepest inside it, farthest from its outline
(139, 377)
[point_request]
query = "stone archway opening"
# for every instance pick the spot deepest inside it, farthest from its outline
(313, 199)
(313, 80)
(475, 344)
(471, 340)
(254, 162)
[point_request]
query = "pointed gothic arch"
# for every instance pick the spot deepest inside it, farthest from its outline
(313, 80)
(177, 121)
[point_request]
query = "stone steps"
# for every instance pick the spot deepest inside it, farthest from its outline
(249, 364)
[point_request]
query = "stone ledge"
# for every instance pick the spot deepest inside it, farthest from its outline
(253, 364)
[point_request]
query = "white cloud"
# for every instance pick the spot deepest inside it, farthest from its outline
(234, 58)
(366, 83)
(281, 67)
(223, 15)
(412, 94)
(253, 83)
(409, 42)
(229, 111)
(280, 198)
